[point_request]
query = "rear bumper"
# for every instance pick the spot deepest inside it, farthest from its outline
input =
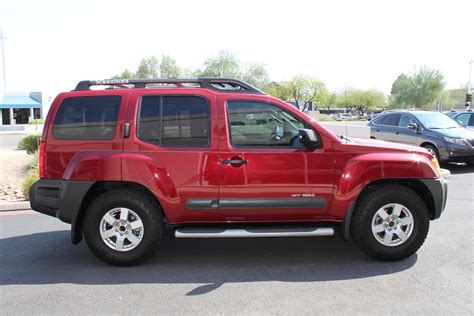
(439, 191)
(58, 198)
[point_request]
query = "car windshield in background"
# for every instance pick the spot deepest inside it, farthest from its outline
(434, 120)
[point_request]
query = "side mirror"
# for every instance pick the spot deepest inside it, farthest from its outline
(413, 126)
(307, 137)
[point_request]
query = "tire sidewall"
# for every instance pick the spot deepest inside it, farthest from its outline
(420, 226)
(152, 229)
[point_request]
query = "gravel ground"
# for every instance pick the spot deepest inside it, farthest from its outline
(13, 170)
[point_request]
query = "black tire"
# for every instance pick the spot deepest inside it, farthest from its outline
(434, 150)
(370, 203)
(144, 206)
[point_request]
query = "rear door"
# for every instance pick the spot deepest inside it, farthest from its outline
(265, 173)
(387, 126)
(173, 150)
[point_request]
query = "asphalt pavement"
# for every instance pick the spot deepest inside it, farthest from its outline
(41, 272)
(10, 141)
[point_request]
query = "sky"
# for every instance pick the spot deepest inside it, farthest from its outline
(52, 45)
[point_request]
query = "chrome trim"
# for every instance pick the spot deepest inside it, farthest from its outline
(254, 233)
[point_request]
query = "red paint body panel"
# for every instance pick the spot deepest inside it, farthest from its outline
(337, 172)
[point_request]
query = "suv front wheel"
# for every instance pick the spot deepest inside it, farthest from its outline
(123, 227)
(390, 222)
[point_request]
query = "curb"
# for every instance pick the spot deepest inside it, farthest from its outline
(445, 173)
(15, 206)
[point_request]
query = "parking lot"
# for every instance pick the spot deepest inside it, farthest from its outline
(42, 272)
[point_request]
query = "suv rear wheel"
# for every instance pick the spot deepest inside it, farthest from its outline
(390, 222)
(123, 227)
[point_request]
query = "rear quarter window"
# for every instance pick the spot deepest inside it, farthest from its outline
(83, 118)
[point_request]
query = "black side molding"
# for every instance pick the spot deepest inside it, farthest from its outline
(261, 203)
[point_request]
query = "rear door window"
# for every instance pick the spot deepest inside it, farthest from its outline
(390, 120)
(87, 118)
(174, 121)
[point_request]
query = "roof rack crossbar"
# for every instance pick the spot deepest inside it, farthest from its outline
(218, 84)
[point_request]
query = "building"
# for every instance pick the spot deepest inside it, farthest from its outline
(20, 107)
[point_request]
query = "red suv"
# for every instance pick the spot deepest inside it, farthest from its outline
(218, 158)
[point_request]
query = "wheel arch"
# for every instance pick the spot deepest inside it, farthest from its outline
(412, 183)
(97, 189)
(425, 143)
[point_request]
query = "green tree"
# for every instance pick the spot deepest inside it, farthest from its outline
(223, 65)
(278, 90)
(169, 68)
(304, 89)
(327, 99)
(453, 97)
(149, 68)
(420, 89)
(361, 100)
(255, 74)
(126, 74)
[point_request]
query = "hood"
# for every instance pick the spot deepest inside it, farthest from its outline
(381, 145)
(460, 132)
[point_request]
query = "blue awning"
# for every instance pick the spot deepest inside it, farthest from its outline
(18, 102)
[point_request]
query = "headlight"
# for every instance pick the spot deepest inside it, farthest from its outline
(457, 141)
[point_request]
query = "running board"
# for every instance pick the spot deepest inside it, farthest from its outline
(253, 232)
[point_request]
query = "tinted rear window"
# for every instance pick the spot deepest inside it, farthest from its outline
(174, 121)
(389, 119)
(87, 118)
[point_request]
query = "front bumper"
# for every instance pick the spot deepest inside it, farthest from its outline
(457, 154)
(439, 191)
(59, 198)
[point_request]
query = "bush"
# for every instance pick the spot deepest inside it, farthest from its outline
(32, 177)
(326, 118)
(36, 121)
(30, 143)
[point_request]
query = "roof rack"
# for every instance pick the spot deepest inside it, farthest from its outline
(217, 84)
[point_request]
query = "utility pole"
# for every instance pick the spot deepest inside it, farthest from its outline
(2, 37)
(469, 91)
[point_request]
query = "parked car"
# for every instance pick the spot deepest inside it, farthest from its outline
(344, 116)
(443, 137)
(218, 158)
(465, 118)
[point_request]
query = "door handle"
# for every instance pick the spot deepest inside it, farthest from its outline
(397, 132)
(377, 130)
(235, 161)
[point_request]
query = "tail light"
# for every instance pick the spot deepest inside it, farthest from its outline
(41, 159)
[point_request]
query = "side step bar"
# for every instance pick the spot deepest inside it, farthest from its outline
(253, 232)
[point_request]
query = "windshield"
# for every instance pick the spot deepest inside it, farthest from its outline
(434, 120)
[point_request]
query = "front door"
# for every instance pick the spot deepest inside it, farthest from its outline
(265, 173)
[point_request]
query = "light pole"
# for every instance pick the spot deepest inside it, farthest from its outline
(469, 102)
(2, 37)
